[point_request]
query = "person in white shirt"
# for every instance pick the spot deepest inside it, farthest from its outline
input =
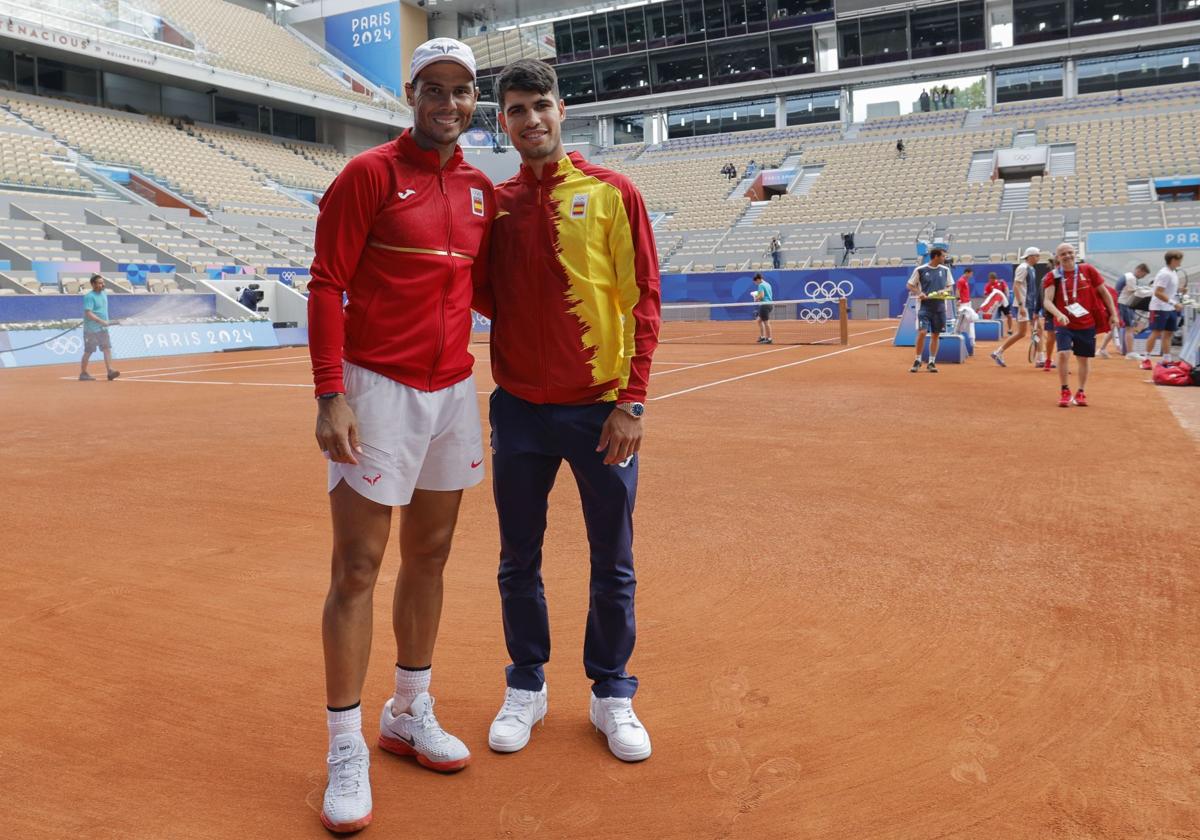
(1127, 288)
(1024, 285)
(1165, 307)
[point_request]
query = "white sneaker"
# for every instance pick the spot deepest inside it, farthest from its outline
(514, 722)
(348, 795)
(614, 717)
(420, 734)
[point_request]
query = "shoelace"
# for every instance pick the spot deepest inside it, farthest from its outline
(429, 723)
(516, 704)
(623, 715)
(347, 773)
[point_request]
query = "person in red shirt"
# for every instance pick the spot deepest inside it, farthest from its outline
(965, 316)
(962, 286)
(1074, 296)
(995, 284)
(403, 235)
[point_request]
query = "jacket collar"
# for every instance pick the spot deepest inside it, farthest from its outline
(573, 160)
(407, 148)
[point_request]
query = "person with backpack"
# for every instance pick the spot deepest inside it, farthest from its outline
(1076, 297)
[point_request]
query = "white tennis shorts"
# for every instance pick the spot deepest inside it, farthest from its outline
(411, 439)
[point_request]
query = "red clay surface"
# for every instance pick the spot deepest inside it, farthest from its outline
(871, 605)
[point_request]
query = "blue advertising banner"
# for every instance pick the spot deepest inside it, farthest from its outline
(21, 309)
(369, 41)
(885, 282)
(1143, 240)
(288, 274)
(1167, 183)
(133, 342)
(139, 273)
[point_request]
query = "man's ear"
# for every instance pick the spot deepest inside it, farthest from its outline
(409, 92)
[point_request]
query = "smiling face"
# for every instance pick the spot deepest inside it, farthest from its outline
(1066, 256)
(443, 100)
(534, 123)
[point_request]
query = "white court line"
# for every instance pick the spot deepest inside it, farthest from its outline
(138, 375)
(216, 382)
(767, 370)
(182, 368)
(686, 337)
(757, 353)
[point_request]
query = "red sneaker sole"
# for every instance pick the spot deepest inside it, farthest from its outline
(345, 828)
(398, 747)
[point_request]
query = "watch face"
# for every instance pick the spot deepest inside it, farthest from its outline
(637, 409)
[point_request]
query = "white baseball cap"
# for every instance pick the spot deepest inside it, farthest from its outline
(1031, 251)
(441, 49)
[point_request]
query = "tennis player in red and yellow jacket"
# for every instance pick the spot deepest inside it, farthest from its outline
(574, 296)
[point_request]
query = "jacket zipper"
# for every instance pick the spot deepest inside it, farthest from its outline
(437, 356)
(540, 274)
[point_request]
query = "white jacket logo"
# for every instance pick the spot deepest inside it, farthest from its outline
(405, 194)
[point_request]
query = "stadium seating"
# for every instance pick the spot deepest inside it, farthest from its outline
(271, 158)
(36, 161)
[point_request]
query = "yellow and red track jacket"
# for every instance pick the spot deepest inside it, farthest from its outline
(573, 286)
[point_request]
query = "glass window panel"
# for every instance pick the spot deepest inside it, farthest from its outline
(142, 95)
(26, 73)
(656, 26)
(714, 19)
(678, 69)
(739, 59)
(66, 80)
(1096, 76)
(757, 16)
(180, 102)
(598, 26)
(1039, 20)
(735, 17)
(619, 77)
(1089, 16)
(617, 37)
(794, 12)
(693, 20)
(792, 52)
(635, 29)
(1174, 11)
(1037, 82)
(629, 128)
(815, 107)
(237, 114)
(972, 33)
(884, 38)
(8, 77)
(673, 18)
(576, 83)
(849, 45)
(581, 36)
(934, 30)
(1181, 65)
(563, 45)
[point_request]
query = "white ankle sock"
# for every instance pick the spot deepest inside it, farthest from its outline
(408, 685)
(345, 722)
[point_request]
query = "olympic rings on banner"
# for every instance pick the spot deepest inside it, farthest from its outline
(828, 290)
(816, 316)
(68, 345)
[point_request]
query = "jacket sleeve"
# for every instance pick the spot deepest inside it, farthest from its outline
(631, 244)
(347, 213)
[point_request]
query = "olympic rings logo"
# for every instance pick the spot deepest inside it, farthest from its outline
(828, 290)
(816, 316)
(63, 346)
(289, 276)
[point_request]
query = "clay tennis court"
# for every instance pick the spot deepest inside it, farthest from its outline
(871, 605)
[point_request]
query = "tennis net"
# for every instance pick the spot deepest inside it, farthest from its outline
(814, 321)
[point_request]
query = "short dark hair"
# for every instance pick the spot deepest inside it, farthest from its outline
(969, 270)
(757, 275)
(935, 252)
(1172, 255)
(95, 277)
(530, 75)
(1142, 267)
(993, 275)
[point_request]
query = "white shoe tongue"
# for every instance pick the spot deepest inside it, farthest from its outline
(420, 703)
(345, 745)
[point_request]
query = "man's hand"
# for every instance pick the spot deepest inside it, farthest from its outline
(337, 430)
(1061, 319)
(921, 296)
(621, 436)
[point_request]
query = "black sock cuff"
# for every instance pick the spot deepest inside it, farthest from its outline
(344, 708)
(414, 670)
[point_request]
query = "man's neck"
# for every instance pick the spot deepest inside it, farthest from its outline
(538, 165)
(444, 152)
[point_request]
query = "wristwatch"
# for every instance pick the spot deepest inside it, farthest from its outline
(329, 396)
(633, 409)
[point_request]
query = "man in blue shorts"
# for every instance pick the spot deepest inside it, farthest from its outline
(766, 303)
(933, 276)
(1075, 296)
(95, 330)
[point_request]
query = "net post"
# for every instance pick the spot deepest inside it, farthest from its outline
(844, 320)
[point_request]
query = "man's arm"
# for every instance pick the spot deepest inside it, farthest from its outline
(348, 211)
(914, 284)
(1048, 305)
(631, 244)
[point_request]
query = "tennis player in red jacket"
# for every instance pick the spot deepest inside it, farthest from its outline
(402, 234)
